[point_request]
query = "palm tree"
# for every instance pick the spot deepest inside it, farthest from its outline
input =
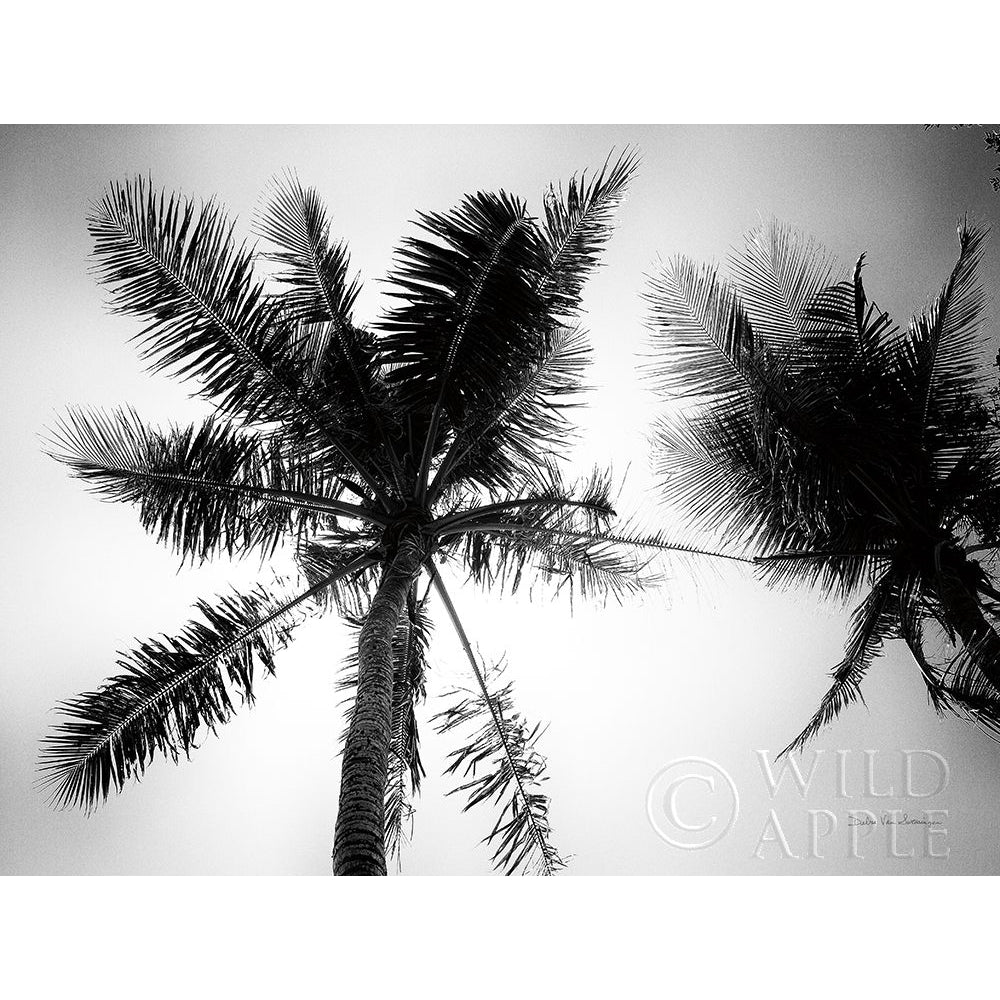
(843, 452)
(376, 454)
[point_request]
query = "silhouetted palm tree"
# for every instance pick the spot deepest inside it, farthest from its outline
(842, 451)
(378, 454)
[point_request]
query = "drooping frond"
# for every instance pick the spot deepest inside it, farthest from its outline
(201, 489)
(578, 223)
(500, 762)
(875, 620)
(314, 272)
(172, 690)
(778, 273)
(911, 630)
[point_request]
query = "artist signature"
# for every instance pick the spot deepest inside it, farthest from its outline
(888, 819)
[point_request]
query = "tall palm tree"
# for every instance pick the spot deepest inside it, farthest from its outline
(377, 454)
(842, 451)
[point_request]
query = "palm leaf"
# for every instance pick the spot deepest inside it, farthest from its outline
(202, 489)
(317, 295)
(207, 315)
(172, 689)
(525, 424)
(469, 314)
(500, 763)
(874, 621)
(558, 548)
(708, 348)
(180, 269)
(943, 345)
(577, 228)
(313, 270)
(778, 273)
(969, 692)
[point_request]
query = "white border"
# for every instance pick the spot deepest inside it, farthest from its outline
(526, 62)
(580, 937)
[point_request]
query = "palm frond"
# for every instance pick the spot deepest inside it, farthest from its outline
(577, 228)
(778, 273)
(201, 489)
(707, 348)
(469, 311)
(501, 763)
(171, 691)
(313, 270)
(943, 345)
(180, 269)
(559, 548)
(207, 316)
(318, 295)
(525, 424)
(710, 469)
(325, 556)
(875, 620)
(911, 628)
(839, 572)
(840, 317)
(968, 690)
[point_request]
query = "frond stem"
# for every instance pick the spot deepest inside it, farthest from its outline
(288, 498)
(818, 554)
(506, 526)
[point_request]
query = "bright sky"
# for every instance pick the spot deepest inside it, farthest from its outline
(713, 667)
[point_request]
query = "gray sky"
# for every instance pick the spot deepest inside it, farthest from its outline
(714, 666)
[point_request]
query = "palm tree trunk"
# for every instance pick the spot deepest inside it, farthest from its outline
(359, 846)
(966, 617)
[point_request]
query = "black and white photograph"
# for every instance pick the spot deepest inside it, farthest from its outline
(570, 510)
(434, 466)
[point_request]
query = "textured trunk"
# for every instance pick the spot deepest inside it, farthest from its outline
(359, 847)
(967, 619)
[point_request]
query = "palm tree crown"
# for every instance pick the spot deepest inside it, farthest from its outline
(378, 453)
(842, 451)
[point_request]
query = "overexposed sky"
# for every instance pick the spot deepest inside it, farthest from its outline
(713, 667)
